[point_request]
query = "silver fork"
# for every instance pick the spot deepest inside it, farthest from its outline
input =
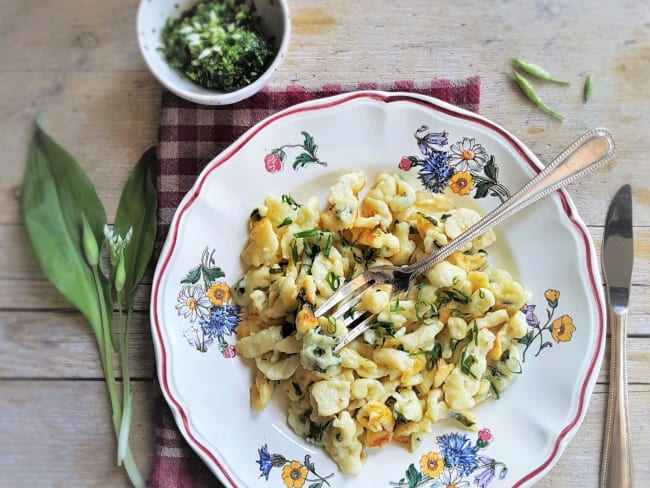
(590, 151)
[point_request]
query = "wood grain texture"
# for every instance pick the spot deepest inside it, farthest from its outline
(77, 62)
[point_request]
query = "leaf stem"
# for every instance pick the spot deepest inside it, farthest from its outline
(104, 343)
(127, 395)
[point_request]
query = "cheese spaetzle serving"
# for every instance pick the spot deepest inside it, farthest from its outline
(434, 352)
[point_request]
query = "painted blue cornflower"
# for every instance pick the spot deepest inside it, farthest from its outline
(264, 461)
(435, 171)
(458, 452)
(223, 321)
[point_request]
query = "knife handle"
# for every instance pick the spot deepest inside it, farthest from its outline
(616, 468)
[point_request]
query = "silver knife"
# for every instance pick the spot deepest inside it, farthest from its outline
(617, 261)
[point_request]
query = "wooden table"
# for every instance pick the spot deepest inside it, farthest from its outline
(77, 62)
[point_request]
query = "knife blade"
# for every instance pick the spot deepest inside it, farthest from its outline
(617, 262)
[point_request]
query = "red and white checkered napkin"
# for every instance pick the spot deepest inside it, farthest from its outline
(191, 135)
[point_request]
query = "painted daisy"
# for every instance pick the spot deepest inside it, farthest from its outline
(193, 303)
(450, 478)
(467, 155)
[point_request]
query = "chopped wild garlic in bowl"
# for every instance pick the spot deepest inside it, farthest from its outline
(218, 44)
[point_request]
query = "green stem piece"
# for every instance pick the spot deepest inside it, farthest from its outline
(127, 394)
(532, 94)
(536, 70)
(589, 86)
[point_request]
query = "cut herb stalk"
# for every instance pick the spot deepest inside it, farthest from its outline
(589, 86)
(536, 70)
(532, 94)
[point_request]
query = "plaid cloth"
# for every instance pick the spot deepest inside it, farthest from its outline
(191, 135)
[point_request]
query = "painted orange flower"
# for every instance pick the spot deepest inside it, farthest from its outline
(219, 293)
(552, 295)
(432, 464)
(294, 475)
(562, 328)
(461, 183)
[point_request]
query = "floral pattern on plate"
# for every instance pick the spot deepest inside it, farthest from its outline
(463, 167)
(454, 464)
(306, 155)
(294, 473)
(560, 328)
(205, 302)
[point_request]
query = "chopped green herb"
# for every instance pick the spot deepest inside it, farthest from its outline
(475, 332)
(493, 387)
(328, 245)
(462, 418)
(217, 44)
(350, 312)
(350, 274)
(294, 251)
(452, 294)
(514, 365)
(466, 363)
(316, 431)
(306, 233)
(432, 355)
(389, 327)
(400, 418)
(287, 221)
(309, 251)
(289, 200)
(255, 215)
(331, 325)
(396, 307)
(430, 219)
(333, 280)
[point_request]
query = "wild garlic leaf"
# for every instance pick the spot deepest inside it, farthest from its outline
(136, 210)
(55, 193)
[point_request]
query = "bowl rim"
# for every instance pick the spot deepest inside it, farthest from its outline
(219, 98)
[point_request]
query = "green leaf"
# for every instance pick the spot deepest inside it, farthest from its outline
(482, 189)
(309, 145)
(308, 464)
(55, 192)
(302, 160)
(192, 276)
(491, 170)
(211, 274)
(413, 476)
(137, 210)
(528, 338)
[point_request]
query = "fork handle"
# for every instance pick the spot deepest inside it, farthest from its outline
(590, 151)
(616, 466)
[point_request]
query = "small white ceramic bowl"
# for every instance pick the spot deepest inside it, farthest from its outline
(152, 15)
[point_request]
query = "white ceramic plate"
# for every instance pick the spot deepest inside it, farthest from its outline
(301, 151)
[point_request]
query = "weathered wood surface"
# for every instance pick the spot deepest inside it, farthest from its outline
(77, 62)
